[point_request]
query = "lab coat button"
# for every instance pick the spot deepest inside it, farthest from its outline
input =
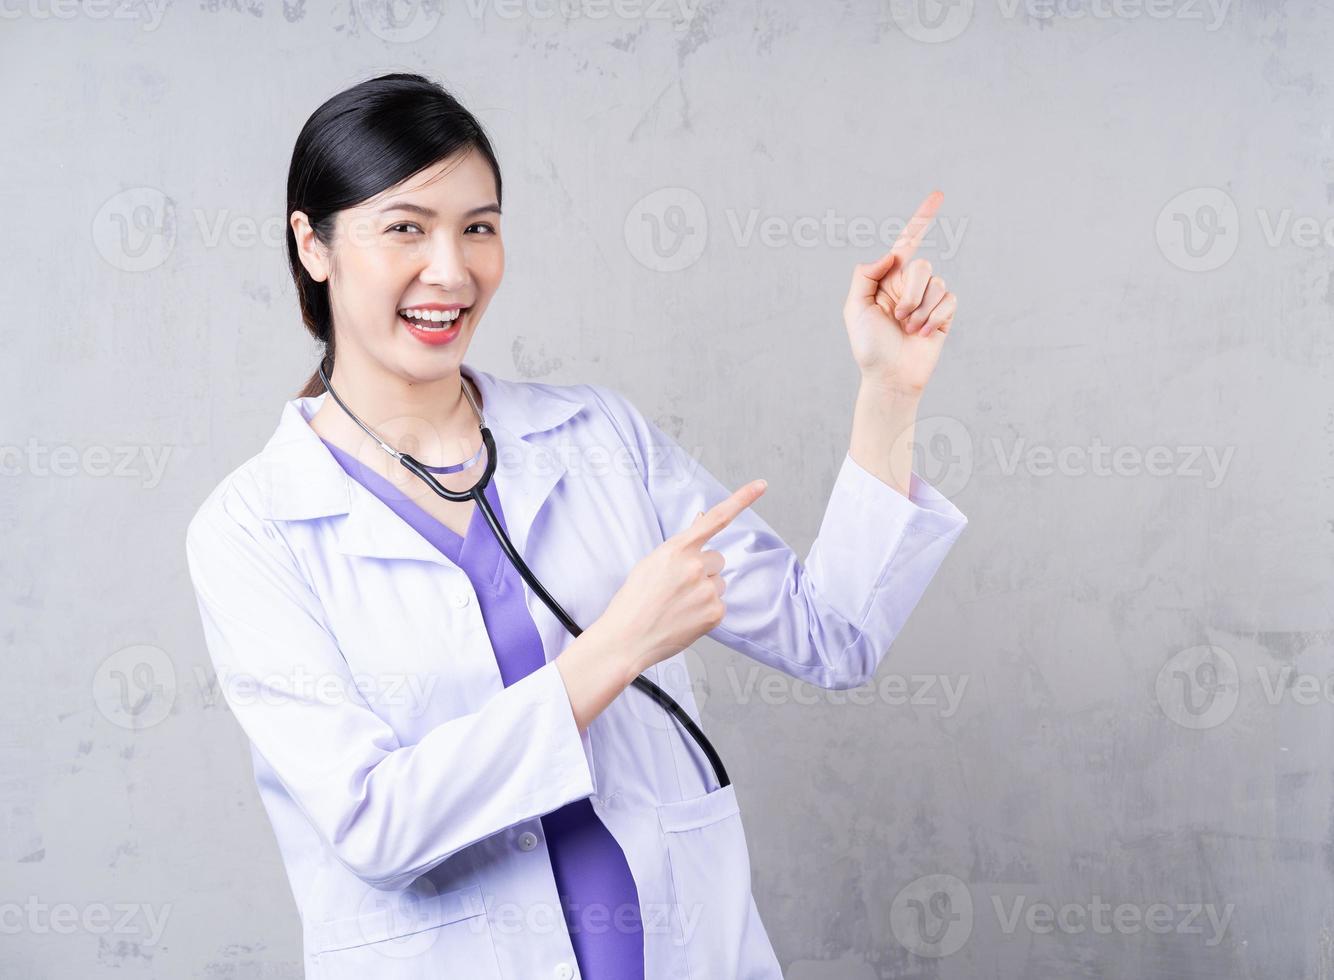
(459, 599)
(527, 840)
(564, 971)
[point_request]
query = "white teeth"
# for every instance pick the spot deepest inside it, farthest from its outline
(430, 316)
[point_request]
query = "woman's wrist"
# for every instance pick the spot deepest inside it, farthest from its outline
(884, 418)
(888, 386)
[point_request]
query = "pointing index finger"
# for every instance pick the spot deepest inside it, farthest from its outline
(723, 513)
(912, 235)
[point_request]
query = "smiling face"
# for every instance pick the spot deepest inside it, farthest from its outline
(412, 270)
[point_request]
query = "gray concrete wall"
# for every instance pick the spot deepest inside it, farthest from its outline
(1100, 748)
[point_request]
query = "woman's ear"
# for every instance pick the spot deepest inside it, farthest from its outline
(314, 256)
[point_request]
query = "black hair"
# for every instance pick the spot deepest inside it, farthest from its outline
(359, 143)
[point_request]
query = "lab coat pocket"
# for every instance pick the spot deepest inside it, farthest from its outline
(706, 848)
(409, 936)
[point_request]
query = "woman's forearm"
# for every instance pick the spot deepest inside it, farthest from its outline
(596, 667)
(601, 663)
(883, 421)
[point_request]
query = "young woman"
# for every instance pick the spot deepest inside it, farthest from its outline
(460, 787)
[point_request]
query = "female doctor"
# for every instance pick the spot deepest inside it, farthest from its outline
(459, 786)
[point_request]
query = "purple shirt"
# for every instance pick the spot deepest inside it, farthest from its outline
(592, 876)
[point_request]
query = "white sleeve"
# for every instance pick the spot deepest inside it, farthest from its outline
(389, 812)
(832, 620)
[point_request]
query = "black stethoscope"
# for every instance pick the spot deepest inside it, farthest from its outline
(477, 493)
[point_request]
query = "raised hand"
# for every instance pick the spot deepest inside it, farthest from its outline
(897, 313)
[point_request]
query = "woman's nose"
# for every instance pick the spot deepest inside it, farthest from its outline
(446, 266)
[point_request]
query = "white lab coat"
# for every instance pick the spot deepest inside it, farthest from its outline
(405, 782)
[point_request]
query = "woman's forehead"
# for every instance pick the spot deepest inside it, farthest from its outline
(459, 183)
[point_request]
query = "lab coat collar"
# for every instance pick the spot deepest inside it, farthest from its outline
(302, 480)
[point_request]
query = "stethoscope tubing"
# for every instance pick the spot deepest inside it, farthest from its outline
(478, 493)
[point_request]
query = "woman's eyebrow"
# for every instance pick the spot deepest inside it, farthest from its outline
(430, 212)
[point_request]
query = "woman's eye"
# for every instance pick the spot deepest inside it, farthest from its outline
(488, 227)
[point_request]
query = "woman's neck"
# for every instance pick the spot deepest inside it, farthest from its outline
(434, 422)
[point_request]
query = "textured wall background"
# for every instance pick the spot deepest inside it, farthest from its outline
(1100, 747)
